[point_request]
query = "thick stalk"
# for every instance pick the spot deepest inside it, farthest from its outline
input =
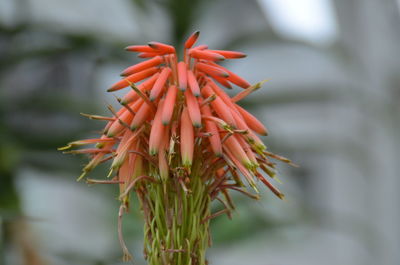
(176, 222)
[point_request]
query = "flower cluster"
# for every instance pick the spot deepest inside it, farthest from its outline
(177, 122)
(180, 110)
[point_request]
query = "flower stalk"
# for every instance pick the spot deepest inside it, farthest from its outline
(176, 224)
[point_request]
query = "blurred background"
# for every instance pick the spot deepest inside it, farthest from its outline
(332, 106)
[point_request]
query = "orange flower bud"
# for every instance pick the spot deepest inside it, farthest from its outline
(159, 84)
(182, 76)
(157, 131)
(187, 139)
(192, 40)
(193, 108)
(133, 79)
(194, 86)
(252, 121)
(142, 66)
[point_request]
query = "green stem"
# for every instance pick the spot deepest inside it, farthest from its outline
(176, 222)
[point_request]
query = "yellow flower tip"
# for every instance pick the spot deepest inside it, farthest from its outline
(248, 165)
(254, 165)
(64, 147)
(262, 82)
(110, 173)
(186, 163)
(260, 147)
(99, 145)
(276, 178)
(84, 173)
(227, 127)
(253, 185)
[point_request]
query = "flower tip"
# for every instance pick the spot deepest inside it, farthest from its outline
(192, 39)
(260, 146)
(64, 147)
(165, 123)
(127, 257)
(187, 163)
(153, 151)
(114, 87)
(182, 88)
(253, 185)
(111, 171)
(218, 154)
(197, 125)
(248, 164)
(82, 176)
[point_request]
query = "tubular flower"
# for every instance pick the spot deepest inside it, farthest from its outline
(179, 141)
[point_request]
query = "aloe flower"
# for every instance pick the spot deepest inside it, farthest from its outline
(179, 142)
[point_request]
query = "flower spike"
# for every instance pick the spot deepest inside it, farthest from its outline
(178, 142)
